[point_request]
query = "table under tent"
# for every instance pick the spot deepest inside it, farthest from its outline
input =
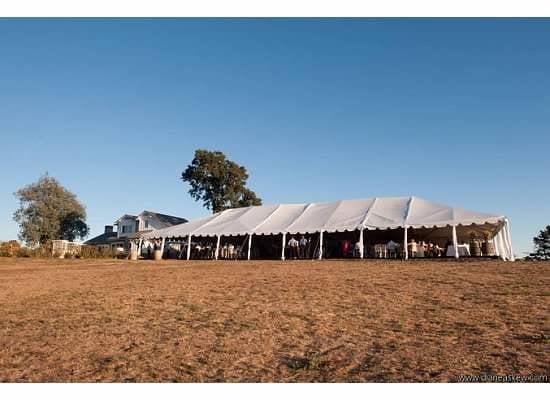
(382, 227)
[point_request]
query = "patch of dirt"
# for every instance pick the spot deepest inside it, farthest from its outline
(271, 321)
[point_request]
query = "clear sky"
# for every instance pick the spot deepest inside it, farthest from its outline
(452, 110)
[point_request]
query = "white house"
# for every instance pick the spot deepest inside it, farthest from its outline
(131, 227)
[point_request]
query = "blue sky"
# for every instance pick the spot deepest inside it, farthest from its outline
(453, 110)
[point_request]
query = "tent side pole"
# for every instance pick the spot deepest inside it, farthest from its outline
(249, 245)
(455, 242)
(162, 247)
(321, 246)
(217, 253)
(283, 247)
(361, 249)
(405, 243)
(189, 247)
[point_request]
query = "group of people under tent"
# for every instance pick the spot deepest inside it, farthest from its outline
(416, 249)
(301, 246)
(206, 250)
(420, 249)
(298, 248)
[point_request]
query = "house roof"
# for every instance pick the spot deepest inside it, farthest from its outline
(125, 216)
(138, 234)
(102, 239)
(167, 219)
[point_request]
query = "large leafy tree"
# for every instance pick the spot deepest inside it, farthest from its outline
(220, 183)
(542, 245)
(48, 211)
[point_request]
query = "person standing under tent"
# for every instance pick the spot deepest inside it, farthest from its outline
(429, 249)
(208, 252)
(198, 250)
(413, 248)
(303, 246)
(447, 245)
(293, 244)
(224, 252)
(392, 249)
(420, 249)
(345, 248)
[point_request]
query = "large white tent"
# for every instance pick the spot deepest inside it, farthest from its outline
(380, 213)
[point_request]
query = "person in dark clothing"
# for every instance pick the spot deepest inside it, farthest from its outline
(303, 246)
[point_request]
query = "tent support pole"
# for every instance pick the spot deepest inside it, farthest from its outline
(455, 242)
(217, 253)
(188, 247)
(509, 240)
(162, 247)
(321, 246)
(249, 245)
(283, 250)
(405, 244)
(361, 249)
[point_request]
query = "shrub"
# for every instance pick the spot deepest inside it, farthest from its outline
(42, 251)
(9, 249)
(89, 252)
(24, 252)
(94, 252)
(56, 254)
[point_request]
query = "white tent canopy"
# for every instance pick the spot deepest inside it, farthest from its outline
(345, 215)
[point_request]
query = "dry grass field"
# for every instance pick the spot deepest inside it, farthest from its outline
(343, 321)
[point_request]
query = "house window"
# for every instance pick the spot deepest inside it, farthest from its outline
(146, 224)
(123, 228)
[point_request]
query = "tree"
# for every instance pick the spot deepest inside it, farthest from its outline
(220, 183)
(542, 245)
(48, 211)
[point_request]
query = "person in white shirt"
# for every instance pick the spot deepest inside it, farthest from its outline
(293, 244)
(420, 250)
(224, 252)
(413, 247)
(197, 250)
(231, 251)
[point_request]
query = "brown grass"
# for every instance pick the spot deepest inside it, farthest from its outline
(105, 320)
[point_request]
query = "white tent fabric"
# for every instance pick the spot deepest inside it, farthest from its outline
(340, 216)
